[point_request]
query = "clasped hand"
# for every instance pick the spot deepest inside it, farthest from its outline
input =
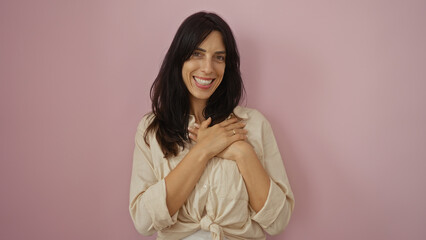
(225, 139)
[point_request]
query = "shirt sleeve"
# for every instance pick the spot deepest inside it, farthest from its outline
(147, 207)
(276, 212)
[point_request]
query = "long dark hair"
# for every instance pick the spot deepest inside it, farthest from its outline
(169, 95)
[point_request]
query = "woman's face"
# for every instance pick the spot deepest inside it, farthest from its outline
(203, 71)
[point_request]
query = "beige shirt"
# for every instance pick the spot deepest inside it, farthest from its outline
(219, 202)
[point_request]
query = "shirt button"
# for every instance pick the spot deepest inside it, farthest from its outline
(205, 186)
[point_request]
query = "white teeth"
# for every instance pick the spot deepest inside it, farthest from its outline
(203, 82)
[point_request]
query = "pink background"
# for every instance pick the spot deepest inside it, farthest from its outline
(342, 82)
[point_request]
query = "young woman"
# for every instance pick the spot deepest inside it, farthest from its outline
(204, 167)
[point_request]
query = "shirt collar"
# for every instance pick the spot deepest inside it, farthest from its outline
(238, 111)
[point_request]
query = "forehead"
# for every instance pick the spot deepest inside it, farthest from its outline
(213, 42)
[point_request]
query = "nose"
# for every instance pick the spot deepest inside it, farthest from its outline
(207, 66)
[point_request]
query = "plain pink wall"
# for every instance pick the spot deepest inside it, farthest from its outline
(342, 82)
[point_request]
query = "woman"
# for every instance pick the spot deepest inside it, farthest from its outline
(204, 167)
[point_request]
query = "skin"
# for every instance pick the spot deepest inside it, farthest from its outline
(208, 62)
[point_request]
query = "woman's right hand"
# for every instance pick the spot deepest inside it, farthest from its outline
(217, 138)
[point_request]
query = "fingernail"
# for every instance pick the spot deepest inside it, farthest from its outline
(196, 125)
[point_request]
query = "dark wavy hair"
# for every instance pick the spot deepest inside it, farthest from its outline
(169, 94)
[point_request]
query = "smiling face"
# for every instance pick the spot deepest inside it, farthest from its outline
(203, 71)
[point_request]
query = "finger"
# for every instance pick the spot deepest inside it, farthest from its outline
(196, 125)
(236, 125)
(193, 130)
(192, 137)
(228, 121)
(237, 137)
(237, 131)
(241, 131)
(206, 123)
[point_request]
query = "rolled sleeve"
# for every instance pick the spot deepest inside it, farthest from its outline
(272, 207)
(154, 200)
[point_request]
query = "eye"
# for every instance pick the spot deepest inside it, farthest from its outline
(196, 54)
(220, 58)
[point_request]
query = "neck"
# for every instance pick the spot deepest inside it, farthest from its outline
(197, 107)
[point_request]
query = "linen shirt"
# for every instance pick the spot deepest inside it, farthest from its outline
(219, 202)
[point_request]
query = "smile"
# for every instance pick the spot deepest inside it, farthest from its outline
(203, 83)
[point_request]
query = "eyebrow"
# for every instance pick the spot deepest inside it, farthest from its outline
(204, 50)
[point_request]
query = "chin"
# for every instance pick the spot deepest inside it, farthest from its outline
(202, 96)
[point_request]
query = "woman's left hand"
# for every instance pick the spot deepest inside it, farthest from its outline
(232, 152)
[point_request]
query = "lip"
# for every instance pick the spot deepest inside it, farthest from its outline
(204, 87)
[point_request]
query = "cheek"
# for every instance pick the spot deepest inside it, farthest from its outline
(186, 72)
(189, 67)
(222, 70)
